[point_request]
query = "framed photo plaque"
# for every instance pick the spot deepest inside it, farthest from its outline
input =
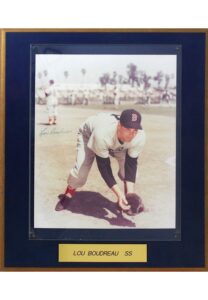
(103, 149)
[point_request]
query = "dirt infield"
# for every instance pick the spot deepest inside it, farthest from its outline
(94, 206)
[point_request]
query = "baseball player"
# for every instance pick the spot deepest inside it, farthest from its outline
(52, 103)
(101, 137)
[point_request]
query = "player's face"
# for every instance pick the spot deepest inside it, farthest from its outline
(126, 134)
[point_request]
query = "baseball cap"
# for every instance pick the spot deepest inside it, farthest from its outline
(130, 118)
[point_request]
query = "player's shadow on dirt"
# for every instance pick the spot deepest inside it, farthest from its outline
(95, 205)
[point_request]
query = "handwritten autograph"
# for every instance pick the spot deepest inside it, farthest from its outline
(47, 131)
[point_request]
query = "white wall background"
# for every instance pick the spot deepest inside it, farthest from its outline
(103, 14)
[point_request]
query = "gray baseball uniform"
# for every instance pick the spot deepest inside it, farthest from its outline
(97, 136)
(52, 101)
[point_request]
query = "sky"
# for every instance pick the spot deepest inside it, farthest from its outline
(97, 65)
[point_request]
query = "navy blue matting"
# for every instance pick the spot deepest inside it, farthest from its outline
(20, 250)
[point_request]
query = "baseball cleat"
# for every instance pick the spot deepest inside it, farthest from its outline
(60, 205)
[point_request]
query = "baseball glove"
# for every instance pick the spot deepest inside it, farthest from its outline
(136, 204)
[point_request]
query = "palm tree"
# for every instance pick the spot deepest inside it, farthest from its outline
(120, 79)
(66, 75)
(105, 79)
(45, 73)
(114, 78)
(159, 77)
(146, 80)
(83, 71)
(132, 74)
(167, 81)
(45, 80)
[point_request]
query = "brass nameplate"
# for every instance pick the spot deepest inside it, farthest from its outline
(102, 253)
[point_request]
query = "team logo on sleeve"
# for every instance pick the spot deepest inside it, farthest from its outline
(134, 117)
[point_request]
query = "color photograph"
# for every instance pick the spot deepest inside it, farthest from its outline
(105, 141)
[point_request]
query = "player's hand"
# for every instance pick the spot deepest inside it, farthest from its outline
(123, 203)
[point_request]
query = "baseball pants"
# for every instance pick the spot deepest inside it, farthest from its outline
(52, 110)
(84, 160)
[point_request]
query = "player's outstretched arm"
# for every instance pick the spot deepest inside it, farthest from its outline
(106, 172)
(129, 187)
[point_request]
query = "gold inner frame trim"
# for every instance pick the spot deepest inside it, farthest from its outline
(2, 143)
